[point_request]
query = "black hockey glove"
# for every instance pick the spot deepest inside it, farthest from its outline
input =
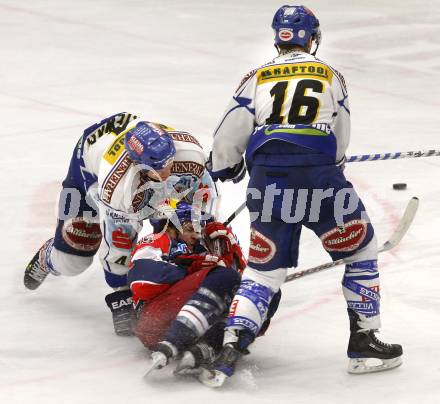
(234, 174)
(120, 304)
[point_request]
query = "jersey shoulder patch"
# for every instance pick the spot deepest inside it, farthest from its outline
(341, 79)
(252, 73)
(338, 74)
(246, 78)
(161, 241)
(114, 177)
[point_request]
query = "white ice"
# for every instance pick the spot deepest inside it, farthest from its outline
(66, 64)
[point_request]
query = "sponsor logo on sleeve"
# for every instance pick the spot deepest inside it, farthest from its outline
(187, 168)
(114, 178)
(246, 78)
(184, 137)
(114, 126)
(341, 79)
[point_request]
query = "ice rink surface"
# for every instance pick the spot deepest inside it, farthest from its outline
(67, 64)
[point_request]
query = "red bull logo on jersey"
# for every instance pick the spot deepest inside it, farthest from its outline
(345, 238)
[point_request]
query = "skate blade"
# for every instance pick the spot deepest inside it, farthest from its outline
(159, 360)
(360, 366)
(193, 372)
(187, 366)
(212, 378)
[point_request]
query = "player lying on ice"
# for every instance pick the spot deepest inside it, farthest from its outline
(121, 171)
(291, 119)
(182, 284)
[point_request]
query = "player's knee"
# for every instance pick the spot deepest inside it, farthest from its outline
(367, 253)
(69, 264)
(222, 281)
(271, 279)
(252, 300)
(78, 235)
(115, 281)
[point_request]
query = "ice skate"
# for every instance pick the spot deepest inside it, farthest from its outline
(367, 353)
(223, 367)
(192, 361)
(38, 269)
(162, 353)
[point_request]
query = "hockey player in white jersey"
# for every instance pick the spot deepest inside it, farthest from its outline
(291, 119)
(123, 169)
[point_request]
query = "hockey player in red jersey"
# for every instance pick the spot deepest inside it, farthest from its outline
(182, 287)
(121, 171)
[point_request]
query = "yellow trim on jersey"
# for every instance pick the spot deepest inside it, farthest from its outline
(115, 150)
(163, 126)
(291, 71)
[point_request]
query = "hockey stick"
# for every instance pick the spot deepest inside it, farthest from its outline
(364, 157)
(392, 156)
(399, 233)
(234, 214)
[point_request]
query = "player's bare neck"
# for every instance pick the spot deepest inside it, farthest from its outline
(172, 232)
(290, 49)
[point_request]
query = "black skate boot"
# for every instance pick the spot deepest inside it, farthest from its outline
(364, 345)
(160, 355)
(37, 270)
(224, 366)
(196, 357)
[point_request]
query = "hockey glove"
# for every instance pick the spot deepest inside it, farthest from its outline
(229, 249)
(120, 304)
(196, 262)
(341, 163)
(234, 174)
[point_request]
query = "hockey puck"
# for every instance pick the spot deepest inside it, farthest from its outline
(399, 186)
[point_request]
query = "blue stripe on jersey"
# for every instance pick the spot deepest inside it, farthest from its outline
(159, 272)
(298, 134)
(242, 102)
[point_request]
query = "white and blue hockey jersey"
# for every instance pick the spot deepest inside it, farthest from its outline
(121, 192)
(295, 98)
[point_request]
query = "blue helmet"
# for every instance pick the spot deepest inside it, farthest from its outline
(148, 144)
(184, 212)
(295, 25)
